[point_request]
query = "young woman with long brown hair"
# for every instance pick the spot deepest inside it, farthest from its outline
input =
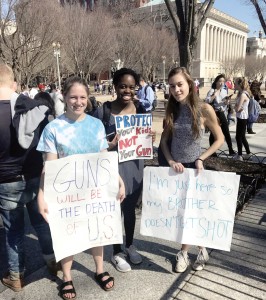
(185, 121)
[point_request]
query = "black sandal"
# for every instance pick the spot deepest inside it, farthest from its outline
(62, 292)
(103, 283)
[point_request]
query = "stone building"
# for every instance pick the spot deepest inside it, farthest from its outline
(223, 38)
(256, 46)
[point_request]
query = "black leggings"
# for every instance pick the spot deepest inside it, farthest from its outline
(128, 209)
(241, 140)
(225, 130)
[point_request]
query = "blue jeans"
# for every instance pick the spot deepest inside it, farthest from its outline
(14, 197)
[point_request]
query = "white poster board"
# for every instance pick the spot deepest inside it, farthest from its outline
(189, 208)
(81, 193)
(135, 141)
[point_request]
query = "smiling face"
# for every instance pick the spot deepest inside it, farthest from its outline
(76, 101)
(125, 89)
(179, 87)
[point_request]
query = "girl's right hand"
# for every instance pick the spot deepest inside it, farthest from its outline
(178, 167)
(113, 143)
(216, 93)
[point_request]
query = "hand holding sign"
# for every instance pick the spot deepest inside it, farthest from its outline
(135, 136)
(189, 209)
(81, 192)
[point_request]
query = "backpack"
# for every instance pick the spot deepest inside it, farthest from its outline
(94, 105)
(253, 110)
(154, 103)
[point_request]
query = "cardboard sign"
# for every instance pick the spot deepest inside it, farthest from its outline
(189, 208)
(134, 140)
(81, 193)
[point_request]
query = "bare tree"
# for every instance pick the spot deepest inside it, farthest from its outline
(27, 32)
(233, 67)
(255, 67)
(141, 47)
(189, 18)
(88, 48)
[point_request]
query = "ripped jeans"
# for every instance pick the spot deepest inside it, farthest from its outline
(14, 196)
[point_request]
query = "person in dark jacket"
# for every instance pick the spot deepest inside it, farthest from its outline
(21, 122)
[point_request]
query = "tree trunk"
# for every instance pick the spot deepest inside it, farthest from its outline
(189, 18)
(260, 15)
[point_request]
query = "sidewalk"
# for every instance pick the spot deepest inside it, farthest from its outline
(238, 274)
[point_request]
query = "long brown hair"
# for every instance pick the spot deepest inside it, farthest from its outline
(173, 107)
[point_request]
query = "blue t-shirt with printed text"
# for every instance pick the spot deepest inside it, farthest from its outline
(66, 137)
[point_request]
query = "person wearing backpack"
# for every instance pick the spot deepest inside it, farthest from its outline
(254, 107)
(21, 122)
(219, 99)
(146, 95)
(241, 108)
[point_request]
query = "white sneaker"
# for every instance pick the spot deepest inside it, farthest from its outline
(133, 255)
(119, 260)
(182, 261)
(238, 157)
(201, 260)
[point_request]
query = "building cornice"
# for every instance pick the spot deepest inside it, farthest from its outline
(217, 15)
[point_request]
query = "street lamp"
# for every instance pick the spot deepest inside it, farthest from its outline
(163, 58)
(175, 63)
(56, 47)
(119, 63)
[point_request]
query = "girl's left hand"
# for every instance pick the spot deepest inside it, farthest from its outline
(122, 190)
(199, 166)
(153, 135)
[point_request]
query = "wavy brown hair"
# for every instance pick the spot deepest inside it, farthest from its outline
(173, 107)
(244, 85)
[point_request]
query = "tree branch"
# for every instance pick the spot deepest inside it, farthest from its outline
(259, 13)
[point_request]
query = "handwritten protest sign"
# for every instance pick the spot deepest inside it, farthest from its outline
(189, 209)
(81, 193)
(134, 141)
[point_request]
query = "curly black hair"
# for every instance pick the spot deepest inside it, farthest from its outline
(125, 71)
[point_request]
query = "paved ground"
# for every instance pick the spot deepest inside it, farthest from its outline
(238, 274)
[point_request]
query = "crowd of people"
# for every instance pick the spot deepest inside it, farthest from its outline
(23, 152)
(247, 92)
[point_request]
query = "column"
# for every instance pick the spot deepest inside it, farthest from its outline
(218, 44)
(235, 46)
(239, 46)
(211, 43)
(225, 45)
(230, 46)
(224, 41)
(207, 44)
(222, 44)
(215, 44)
